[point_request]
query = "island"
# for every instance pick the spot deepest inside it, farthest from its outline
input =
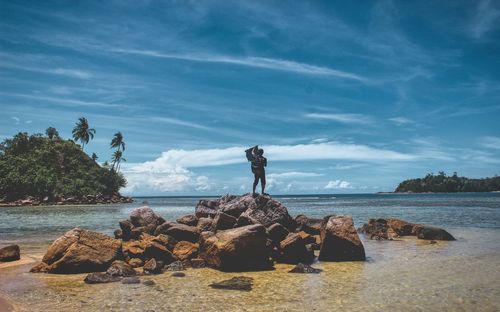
(441, 183)
(47, 169)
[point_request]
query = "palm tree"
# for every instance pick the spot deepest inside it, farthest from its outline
(52, 133)
(117, 141)
(82, 132)
(116, 159)
(94, 157)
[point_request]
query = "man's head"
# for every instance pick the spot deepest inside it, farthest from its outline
(260, 152)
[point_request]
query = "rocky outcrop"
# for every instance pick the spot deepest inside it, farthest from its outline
(340, 241)
(378, 229)
(309, 225)
(82, 200)
(10, 253)
(80, 251)
(222, 221)
(239, 249)
(208, 208)
(293, 250)
(393, 228)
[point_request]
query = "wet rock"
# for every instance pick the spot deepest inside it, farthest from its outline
(144, 216)
(135, 262)
(81, 251)
(100, 278)
(185, 250)
(401, 227)
(40, 268)
(178, 274)
(223, 221)
(120, 268)
(204, 224)
(10, 253)
(277, 232)
(175, 266)
(433, 233)
(131, 280)
(190, 220)
(182, 232)
(126, 228)
(305, 268)
(238, 249)
(340, 241)
(197, 263)
(149, 283)
(118, 234)
(309, 225)
(293, 250)
(236, 283)
(152, 267)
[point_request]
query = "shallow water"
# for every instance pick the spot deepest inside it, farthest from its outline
(410, 275)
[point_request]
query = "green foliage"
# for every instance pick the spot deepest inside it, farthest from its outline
(441, 183)
(37, 166)
(82, 132)
(52, 133)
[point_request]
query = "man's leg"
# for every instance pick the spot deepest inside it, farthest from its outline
(255, 181)
(263, 182)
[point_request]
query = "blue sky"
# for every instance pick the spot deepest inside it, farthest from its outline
(344, 97)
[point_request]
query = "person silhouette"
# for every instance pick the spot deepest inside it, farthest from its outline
(258, 164)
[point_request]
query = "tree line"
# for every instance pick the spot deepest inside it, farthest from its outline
(441, 183)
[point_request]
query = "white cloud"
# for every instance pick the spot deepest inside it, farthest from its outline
(342, 118)
(484, 19)
(401, 120)
(490, 142)
(338, 184)
(251, 61)
(294, 174)
(75, 73)
(16, 119)
(179, 122)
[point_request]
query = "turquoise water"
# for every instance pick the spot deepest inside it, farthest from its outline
(42, 224)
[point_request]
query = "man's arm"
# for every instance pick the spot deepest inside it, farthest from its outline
(254, 150)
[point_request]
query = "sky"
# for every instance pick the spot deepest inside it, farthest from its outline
(343, 96)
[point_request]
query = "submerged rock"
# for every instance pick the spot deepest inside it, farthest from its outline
(393, 228)
(175, 266)
(131, 280)
(238, 249)
(340, 241)
(100, 278)
(148, 283)
(305, 268)
(178, 274)
(197, 263)
(236, 283)
(10, 253)
(433, 233)
(81, 251)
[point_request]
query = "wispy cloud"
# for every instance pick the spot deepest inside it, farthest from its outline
(67, 72)
(252, 61)
(490, 142)
(179, 122)
(294, 174)
(16, 119)
(342, 118)
(337, 184)
(485, 19)
(401, 121)
(63, 101)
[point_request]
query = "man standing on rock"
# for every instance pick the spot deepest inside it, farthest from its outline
(254, 155)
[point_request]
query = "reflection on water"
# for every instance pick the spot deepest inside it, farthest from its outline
(410, 275)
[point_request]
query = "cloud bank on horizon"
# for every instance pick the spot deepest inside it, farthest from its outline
(343, 97)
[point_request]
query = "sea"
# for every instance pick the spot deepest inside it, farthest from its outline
(407, 274)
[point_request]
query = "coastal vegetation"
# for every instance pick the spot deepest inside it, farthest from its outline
(48, 168)
(441, 183)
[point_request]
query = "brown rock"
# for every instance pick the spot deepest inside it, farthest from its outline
(185, 250)
(307, 238)
(223, 221)
(126, 227)
(204, 224)
(433, 233)
(340, 241)
(144, 216)
(293, 250)
(236, 249)
(40, 268)
(197, 263)
(308, 225)
(190, 220)
(277, 233)
(208, 208)
(182, 232)
(136, 262)
(120, 268)
(79, 251)
(152, 267)
(401, 227)
(10, 253)
(100, 278)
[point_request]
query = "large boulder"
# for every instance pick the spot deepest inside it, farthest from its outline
(340, 241)
(190, 220)
(204, 224)
(144, 216)
(378, 229)
(185, 250)
(120, 268)
(308, 225)
(180, 232)
(10, 253)
(81, 251)
(277, 233)
(433, 233)
(401, 227)
(223, 221)
(208, 208)
(159, 247)
(293, 250)
(238, 249)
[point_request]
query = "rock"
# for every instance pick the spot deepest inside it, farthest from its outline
(81, 251)
(244, 220)
(197, 263)
(133, 249)
(136, 262)
(277, 233)
(190, 220)
(159, 247)
(236, 283)
(144, 216)
(208, 208)
(238, 249)
(185, 250)
(155, 250)
(293, 250)
(148, 283)
(309, 225)
(126, 227)
(152, 267)
(120, 268)
(266, 211)
(223, 221)
(307, 238)
(340, 241)
(204, 224)
(401, 227)
(168, 241)
(175, 266)
(304, 268)
(10, 253)
(182, 232)
(131, 280)
(178, 274)
(40, 268)
(433, 233)
(118, 234)
(100, 278)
